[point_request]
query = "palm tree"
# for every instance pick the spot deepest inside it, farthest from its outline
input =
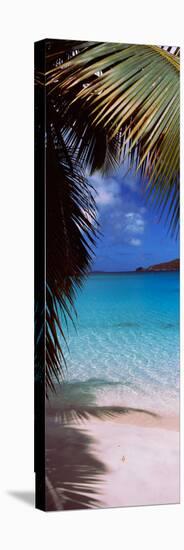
(105, 103)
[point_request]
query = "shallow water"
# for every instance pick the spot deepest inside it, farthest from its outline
(126, 348)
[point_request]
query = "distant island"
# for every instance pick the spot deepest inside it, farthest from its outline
(173, 265)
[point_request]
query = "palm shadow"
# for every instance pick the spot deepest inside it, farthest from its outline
(74, 476)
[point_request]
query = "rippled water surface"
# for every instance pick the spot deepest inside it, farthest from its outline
(126, 347)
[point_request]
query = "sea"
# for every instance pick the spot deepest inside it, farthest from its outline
(124, 347)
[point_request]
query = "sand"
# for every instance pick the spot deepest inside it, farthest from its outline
(142, 461)
(140, 454)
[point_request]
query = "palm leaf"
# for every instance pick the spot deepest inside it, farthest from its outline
(131, 91)
(70, 236)
(92, 149)
(71, 228)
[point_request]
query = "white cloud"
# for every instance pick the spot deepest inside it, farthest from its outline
(104, 197)
(134, 222)
(135, 242)
(121, 219)
(107, 191)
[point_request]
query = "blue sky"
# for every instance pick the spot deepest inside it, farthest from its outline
(132, 235)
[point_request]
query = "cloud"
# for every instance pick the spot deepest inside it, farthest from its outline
(135, 242)
(121, 216)
(134, 222)
(104, 197)
(107, 191)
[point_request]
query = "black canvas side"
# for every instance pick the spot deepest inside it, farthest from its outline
(39, 277)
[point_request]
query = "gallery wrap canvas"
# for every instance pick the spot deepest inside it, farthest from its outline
(107, 374)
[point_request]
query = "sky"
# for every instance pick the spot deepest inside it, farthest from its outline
(131, 233)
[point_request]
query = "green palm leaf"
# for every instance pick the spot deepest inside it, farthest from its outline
(132, 92)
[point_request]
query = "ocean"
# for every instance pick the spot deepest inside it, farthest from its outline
(124, 350)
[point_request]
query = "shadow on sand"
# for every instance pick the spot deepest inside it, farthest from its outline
(74, 474)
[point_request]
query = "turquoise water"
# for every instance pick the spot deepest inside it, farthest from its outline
(126, 347)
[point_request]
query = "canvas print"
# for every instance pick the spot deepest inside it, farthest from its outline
(107, 373)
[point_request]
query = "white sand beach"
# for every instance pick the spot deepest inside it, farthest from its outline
(140, 455)
(143, 463)
(142, 460)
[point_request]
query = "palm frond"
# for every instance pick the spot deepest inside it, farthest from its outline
(70, 235)
(92, 149)
(132, 92)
